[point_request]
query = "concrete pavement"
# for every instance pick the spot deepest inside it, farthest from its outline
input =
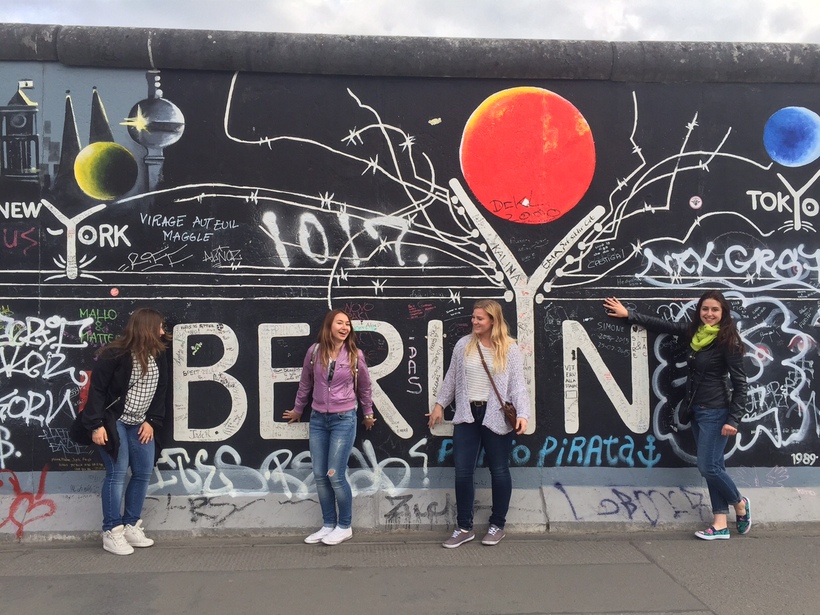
(768, 571)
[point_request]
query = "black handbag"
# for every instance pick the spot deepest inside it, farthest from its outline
(510, 414)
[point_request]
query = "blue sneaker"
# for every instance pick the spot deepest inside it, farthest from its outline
(711, 533)
(744, 522)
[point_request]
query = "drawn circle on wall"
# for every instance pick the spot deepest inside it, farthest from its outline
(155, 122)
(792, 136)
(528, 155)
(105, 170)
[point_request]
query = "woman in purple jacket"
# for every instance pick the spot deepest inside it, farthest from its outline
(335, 371)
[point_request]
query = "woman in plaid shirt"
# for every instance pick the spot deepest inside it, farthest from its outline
(126, 404)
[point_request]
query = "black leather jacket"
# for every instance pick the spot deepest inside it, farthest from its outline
(706, 385)
(109, 384)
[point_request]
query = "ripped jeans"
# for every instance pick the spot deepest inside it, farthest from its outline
(331, 440)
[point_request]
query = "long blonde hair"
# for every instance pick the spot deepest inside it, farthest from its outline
(325, 340)
(499, 336)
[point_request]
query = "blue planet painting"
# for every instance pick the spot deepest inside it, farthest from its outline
(792, 136)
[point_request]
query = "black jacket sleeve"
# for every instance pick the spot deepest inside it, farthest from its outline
(740, 387)
(156, 411)
(657, 325)
(101, 392)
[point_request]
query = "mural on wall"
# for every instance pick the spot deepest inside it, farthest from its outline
(245, 205)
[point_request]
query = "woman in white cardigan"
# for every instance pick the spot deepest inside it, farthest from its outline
(479, 419)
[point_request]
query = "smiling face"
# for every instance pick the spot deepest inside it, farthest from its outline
(482, 323)
(710, 312)
(339, 329)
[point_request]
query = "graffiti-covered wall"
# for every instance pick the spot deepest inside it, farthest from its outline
(245, 204)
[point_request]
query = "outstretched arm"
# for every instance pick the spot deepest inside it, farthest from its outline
(615, 308)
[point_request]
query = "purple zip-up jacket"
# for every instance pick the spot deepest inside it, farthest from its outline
(338, 395)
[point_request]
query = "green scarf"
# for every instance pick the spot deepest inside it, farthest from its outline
(705, 335)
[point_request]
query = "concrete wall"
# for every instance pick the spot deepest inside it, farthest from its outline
(244, 183)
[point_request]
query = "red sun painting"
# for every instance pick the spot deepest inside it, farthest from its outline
(528, 155)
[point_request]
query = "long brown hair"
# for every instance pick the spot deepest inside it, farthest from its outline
(499, 336)
(141, 337)
(325, 339)
(728, 336)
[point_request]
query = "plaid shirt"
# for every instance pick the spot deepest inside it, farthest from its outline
(141, 390)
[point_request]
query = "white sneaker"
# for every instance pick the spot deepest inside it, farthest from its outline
(316, 537)
(338, 535)
(135, 535)
(114, 541)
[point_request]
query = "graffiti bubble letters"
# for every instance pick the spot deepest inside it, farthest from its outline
(791, 265)
(33, 407)
(35, 347)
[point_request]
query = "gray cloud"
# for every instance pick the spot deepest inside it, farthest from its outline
(693, 20)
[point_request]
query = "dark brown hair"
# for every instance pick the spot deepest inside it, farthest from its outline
(141, 338)
(728, 337)
(325, 338)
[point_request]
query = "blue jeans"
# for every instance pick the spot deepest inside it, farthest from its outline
(140, 458)
(468, 439)
(706, 426)
(331, 440)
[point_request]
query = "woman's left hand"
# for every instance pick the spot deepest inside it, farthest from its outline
(369, 421)
(145, 433)
(728, 430)
(520, 425)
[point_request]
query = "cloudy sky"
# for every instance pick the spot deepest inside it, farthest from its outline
(795, 21)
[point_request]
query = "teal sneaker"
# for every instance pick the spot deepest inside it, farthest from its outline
(711, 533)
(744, 522)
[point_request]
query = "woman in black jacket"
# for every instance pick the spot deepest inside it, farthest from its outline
(126, 405)
(715, 352)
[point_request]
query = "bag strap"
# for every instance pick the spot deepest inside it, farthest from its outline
(128, 390)
(487, 369)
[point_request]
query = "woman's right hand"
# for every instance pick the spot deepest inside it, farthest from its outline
(291, 416)
(435, 416)
(99, 436)
(615, 308)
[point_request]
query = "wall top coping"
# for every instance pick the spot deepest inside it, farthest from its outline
(398, 56)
